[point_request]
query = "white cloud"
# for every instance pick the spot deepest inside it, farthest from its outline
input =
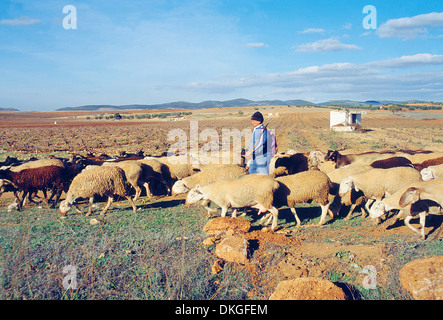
(417, 60)
(409, 28)
(257, 45)
(312, 30)
(330, 44)
(22, 21)
(373, 80)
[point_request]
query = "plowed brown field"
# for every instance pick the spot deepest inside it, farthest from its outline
(301, 129)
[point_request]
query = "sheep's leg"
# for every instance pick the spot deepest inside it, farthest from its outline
(266, 219)
(324, 211)
(134, 208)
(45, 198)
(138, 191)
(148, 191)
(77, 208)
(234, 213)
(262, 209)
(57, 197)
(31, 196)
(351, 210)
(168, 189)
(274, 212)
(397, 217)
(364, 212)
(91, 201)
(19, 201)
(294, 212)
(367, 205)
(108, 204)
(205, 203)
(407, 219)
(224, 211)
(422, 223)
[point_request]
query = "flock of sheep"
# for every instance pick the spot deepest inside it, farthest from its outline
(378, 182)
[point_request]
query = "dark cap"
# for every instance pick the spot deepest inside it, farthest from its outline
(257, 116)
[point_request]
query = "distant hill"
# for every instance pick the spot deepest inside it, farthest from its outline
(178, 105)
(8, 109)
(183, 105)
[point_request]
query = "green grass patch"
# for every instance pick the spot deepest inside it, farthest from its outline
(154, 254)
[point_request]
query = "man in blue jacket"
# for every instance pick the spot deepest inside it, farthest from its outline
(259, 153)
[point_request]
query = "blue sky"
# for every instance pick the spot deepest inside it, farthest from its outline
(147, 52)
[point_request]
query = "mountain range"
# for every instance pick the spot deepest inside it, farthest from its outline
(179, 105)
(183, 105)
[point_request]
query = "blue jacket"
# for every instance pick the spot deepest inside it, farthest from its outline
(261, 153)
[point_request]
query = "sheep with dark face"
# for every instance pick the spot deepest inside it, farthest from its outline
(342, 160)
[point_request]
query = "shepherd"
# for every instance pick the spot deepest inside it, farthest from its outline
(261, 146)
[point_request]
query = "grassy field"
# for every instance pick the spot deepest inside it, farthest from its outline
(158, 254)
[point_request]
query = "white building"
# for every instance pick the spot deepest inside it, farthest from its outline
(344, 120)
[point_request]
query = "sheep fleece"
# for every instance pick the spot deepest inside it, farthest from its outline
(304, 186)
(100, 181)
(208, 177)
(241, 191)
(378, 182)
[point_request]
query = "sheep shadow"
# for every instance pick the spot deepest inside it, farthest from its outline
(306, 215)
(162, 204)
(432, 221)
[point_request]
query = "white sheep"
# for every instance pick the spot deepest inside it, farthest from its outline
(337, 175)
(133, 172)
(382, 207)
(432, 192)
(253, 190)
(378, 183)
(100, 181)
(206, 177)
(432, 172)
(179, 166)
(353, 198)
(301, 188)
